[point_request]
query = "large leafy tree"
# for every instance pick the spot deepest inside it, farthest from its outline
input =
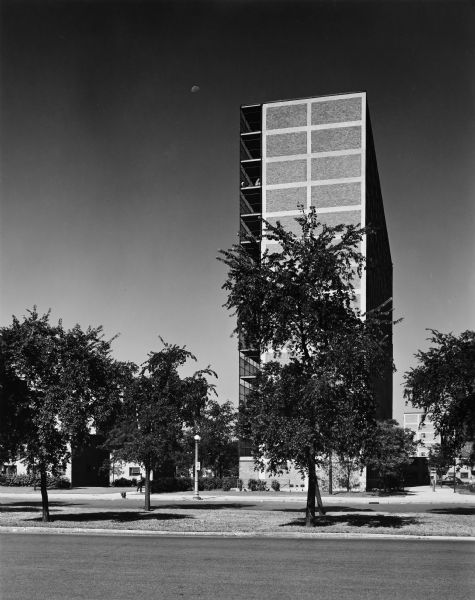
(157, 406)
(443, 385)
(59, 383)
(301, 300)
(391, 449)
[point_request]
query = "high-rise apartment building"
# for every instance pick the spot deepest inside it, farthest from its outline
(313, 152)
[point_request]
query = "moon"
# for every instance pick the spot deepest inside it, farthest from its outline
(195, 88)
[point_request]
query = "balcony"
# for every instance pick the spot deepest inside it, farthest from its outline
(251, 118)
(248, 367)
(251, 145)
(250, 201)
(251, 227)
(251, 173)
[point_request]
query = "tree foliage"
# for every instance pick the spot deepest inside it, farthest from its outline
(301, 302)
(59, 382)
(15, 414)
(441, 458)
(218, 446)
(292, 297)
(443, 385)
(391, 449)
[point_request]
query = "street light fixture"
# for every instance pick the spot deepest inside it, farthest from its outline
(197, 439)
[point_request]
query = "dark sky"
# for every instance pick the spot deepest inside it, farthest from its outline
(119, 185)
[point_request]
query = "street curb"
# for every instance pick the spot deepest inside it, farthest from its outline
(230, 534)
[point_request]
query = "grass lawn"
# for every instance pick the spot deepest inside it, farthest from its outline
(235, 518)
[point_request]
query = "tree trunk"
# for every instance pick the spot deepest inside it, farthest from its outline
(147, 487)
(312, 486)
(330, 474)
(44, 495)
(321, 510)
(348, 477)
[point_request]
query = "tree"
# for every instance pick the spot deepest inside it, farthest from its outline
(443, 385)
(302, 301)
(441, 459)
(66, 381)
(218, 438)
(218, 446)
(392, 448)
(157, 405)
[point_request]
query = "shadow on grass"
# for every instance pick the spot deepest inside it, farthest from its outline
(327, 508)
(9, 507)
(384, 494)
(357, 521)
(206, 505)
(456, 510)
(115, 516)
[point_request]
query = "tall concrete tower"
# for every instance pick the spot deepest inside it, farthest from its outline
(313, 152)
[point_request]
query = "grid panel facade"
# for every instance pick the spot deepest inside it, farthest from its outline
(319, 152)
(313, 155)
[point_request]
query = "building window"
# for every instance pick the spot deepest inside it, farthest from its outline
(134, 471)
(464, 475)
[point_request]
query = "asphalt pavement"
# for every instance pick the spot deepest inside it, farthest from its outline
(106, 567)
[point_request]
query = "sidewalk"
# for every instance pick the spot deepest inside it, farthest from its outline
(412, 495)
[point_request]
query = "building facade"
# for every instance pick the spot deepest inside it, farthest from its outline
(426, 436)
(424, 432)
(91, 466)
(313, 152)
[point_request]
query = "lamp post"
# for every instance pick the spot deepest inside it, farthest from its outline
(197, 439)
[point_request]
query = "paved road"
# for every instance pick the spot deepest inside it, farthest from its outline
(58, 567)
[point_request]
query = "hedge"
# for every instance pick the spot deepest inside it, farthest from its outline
(172, 484)
(30, 480)
(124, 482)
(257, 485)
(184, 484)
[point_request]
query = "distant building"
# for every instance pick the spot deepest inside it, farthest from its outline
(424, 432)
(427, 437)
(90, 466)
(313, 152)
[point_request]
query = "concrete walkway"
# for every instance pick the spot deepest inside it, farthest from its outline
(412, 495)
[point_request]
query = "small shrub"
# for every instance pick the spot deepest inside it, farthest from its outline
(275, 485)
(62, 483)
(210, 483)
(124, 482)
(173, 484)
(256, 485)
(229, 482)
